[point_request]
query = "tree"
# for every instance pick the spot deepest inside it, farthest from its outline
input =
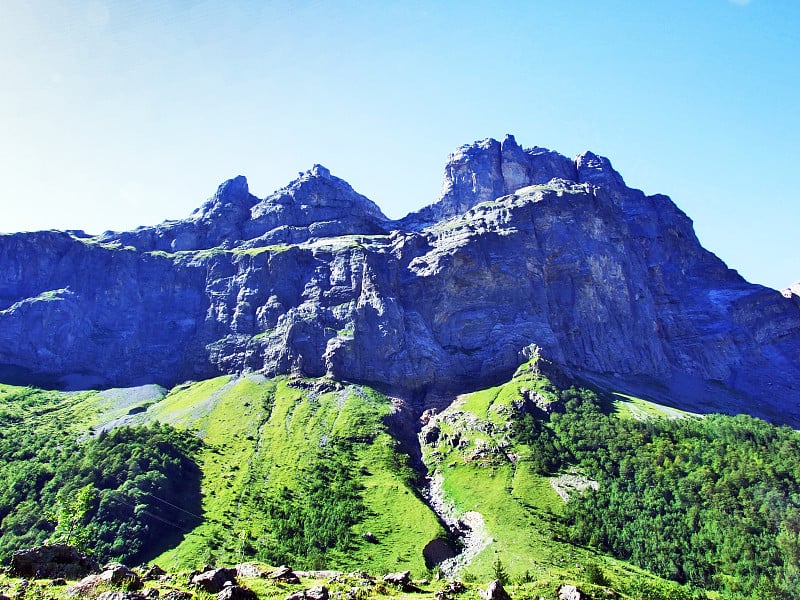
(70, 516)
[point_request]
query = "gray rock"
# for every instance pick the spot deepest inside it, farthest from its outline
(114, 595)
(152, 572)
(236, 592)
(370, 537)
(52, 562)
(177, 595)
(118, 575)
(247, 570)
(285, 574)
(570, 592)
(401, 580)
(215, 580)
(319, 592)
(495, 591)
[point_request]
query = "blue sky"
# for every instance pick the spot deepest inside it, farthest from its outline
(118, 114)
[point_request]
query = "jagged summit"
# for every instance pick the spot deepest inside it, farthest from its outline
(488, 169)
(526, 250)
(316, 204)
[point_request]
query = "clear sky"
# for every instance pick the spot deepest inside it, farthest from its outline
(115, 114)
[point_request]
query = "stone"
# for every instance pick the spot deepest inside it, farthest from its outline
(152, 572)
(370, 537)
(213, 581)
(401, 580)
(570, 592)
(285, 574)
(52, 561)
(319, 592)
(177, 595)
(114, 595)
(118, 575)
(86, 586)
(248, 570)
(495, 591)
(236, 592)
(455, 587)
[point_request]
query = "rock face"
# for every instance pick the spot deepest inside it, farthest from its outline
(525, 251)
(52, 561)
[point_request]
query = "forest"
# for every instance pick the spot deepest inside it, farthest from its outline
(711, 501)
(125, 494)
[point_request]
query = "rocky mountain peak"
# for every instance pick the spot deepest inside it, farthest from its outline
(232, 196)
(598, 171)
(488, 169)
(524, 248)
(313, 205)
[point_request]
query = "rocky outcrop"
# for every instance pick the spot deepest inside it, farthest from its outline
(51, 562)
(486, 170)
(525, 251)
(793, 291)
(495, 591)
(214, 581)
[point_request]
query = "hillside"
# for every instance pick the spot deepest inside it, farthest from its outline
(514, 479)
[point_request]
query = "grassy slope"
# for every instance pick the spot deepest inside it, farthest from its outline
(257, 430)
(485, 471)
(260, 430)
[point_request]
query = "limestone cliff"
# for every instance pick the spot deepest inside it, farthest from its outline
(524, 249)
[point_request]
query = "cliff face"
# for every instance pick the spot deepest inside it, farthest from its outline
(524, 249)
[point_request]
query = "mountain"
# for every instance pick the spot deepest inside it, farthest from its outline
(525, 253)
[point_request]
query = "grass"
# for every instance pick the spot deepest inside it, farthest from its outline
(272, 249)
(259, 430)
(261, 435)
(485, 471)
(629, 407)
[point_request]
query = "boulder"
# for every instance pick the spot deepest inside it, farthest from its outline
(115, 595)
(236, 592)
(401, 580)
(152, 572)
(370, 537)
(214, 580)
(118, 575)
(177, 595)
(455, 587)
(86, 586)
(570, 592)
(285, 574)
(247, 570)
(52, 561)
(319, 592)
(495, 591)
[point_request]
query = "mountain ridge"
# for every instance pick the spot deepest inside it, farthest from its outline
(525, 251)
